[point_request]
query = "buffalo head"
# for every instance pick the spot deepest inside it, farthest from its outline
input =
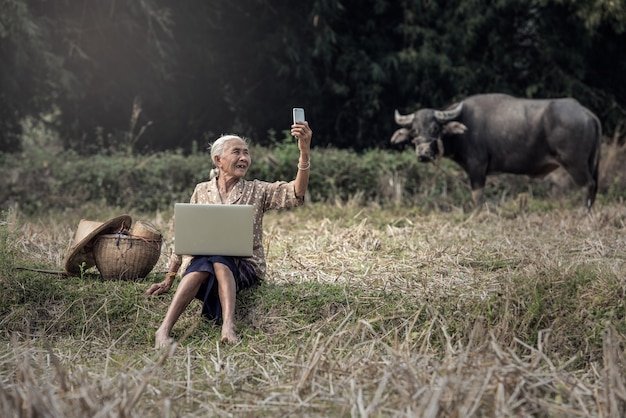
(426, 129)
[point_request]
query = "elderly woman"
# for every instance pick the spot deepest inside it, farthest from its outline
(215, 279)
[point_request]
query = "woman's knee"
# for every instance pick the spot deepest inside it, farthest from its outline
(222, 270)
(195, 277)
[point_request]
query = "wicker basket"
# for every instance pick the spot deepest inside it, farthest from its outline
(143, 229)
(125, 257)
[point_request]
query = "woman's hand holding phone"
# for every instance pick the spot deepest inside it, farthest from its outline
(298, 116)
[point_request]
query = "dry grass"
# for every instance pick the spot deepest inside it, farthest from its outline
(366, 312)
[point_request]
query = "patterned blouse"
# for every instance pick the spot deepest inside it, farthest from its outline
(262, 195)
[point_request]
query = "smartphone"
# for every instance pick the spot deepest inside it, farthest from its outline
(298, 114)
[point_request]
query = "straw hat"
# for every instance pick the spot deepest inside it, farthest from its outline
(81, 250)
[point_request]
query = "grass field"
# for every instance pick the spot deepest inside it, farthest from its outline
(515, 312)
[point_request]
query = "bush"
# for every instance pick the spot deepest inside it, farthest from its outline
(37, 180)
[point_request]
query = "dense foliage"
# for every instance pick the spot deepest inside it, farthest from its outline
(38, 180)
(147, 75)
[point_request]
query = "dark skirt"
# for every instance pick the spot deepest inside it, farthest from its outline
(242, 270)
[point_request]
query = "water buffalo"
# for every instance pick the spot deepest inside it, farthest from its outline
(496, 133)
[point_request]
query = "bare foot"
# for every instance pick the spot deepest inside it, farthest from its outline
(229, 335)
(161, 339)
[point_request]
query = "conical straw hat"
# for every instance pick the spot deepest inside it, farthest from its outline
(81, 251)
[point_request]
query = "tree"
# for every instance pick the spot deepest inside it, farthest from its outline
(354, 61)
(196, 68)
(30, 74)
(530, 49)
(243, 66)
(121, 56)
(144, 75)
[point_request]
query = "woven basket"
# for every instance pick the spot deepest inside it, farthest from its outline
(143, 229)
(125, 257)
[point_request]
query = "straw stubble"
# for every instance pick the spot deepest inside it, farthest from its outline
(371, 313)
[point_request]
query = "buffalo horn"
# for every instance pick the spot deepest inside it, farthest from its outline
(403, 120)
(446, 115)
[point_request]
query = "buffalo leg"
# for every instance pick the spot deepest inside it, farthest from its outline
(585, 180)
(477, 179)
(477, 197)
(591, 194)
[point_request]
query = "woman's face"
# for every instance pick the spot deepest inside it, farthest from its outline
(235, 159)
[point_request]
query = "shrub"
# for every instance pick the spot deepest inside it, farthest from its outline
(39, 180)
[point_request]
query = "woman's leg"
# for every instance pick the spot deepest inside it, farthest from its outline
(185, 293)
(228, 295)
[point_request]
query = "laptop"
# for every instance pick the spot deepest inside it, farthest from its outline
(203, 229)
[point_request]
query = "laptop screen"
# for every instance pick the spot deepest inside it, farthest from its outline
(203, 229)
